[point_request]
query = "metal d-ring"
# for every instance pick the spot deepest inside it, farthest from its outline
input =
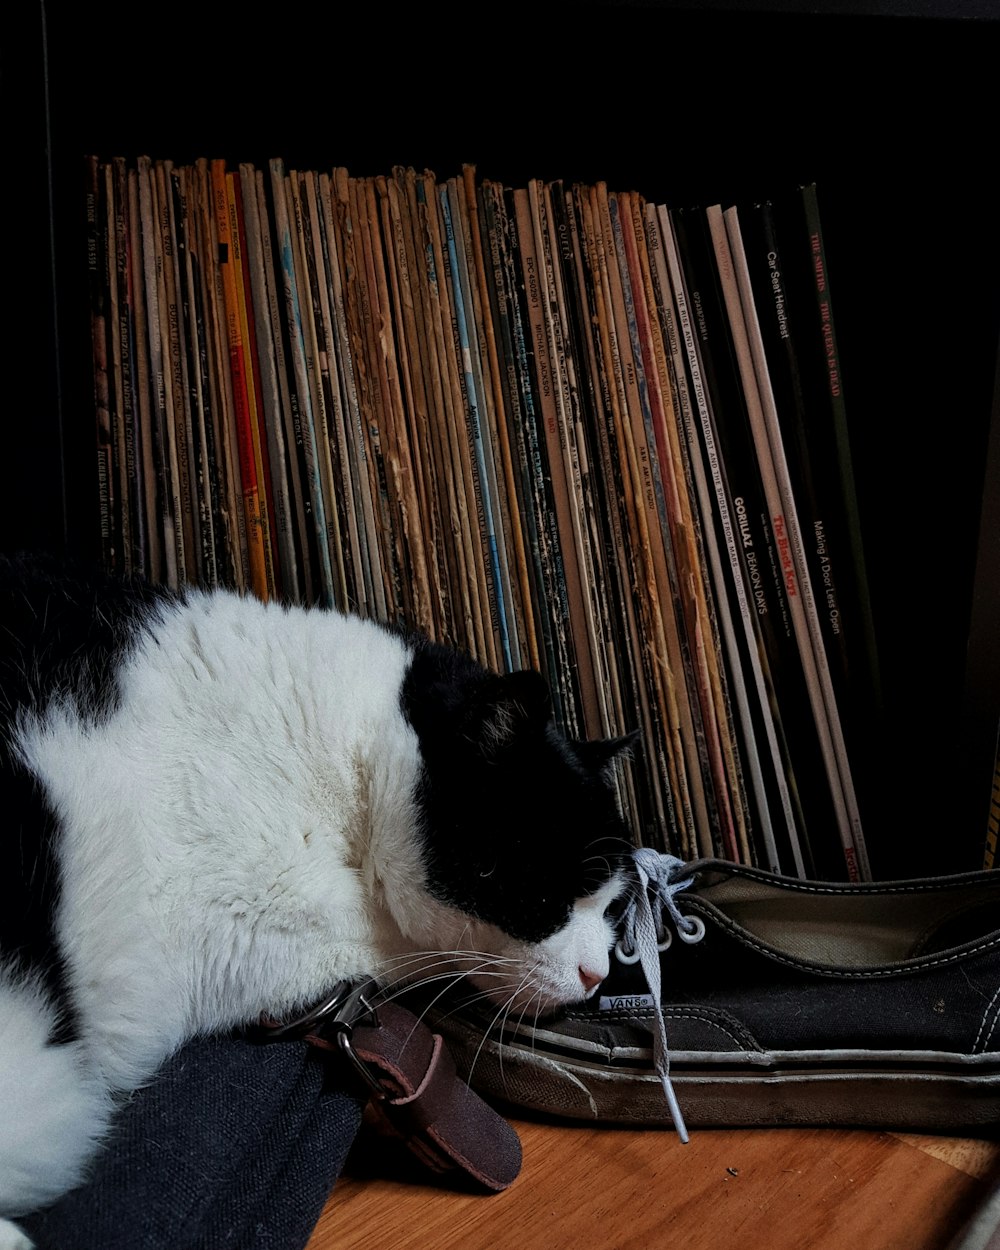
(343, 1007)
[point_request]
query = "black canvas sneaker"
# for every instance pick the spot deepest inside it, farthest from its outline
(769, 1001)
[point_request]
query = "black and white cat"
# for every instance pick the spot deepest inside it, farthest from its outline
(214, 808)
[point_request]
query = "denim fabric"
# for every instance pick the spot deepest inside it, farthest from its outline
(235, 1146)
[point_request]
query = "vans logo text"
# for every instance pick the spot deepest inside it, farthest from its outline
(626, 1002)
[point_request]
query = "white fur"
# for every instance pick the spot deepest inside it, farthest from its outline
(53, 1107)
(237, 838)
(12, 1238)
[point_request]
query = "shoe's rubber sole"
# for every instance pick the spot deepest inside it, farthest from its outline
(548, 1072)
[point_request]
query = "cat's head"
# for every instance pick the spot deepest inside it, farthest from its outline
(523, 846)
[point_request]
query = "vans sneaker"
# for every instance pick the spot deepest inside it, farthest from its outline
(737, 997)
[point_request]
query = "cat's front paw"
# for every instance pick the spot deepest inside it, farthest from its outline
(11, 1237)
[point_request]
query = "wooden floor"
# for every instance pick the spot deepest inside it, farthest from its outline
(584, 1188)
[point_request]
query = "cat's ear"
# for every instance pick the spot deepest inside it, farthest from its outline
(601, 754)
(507, 706)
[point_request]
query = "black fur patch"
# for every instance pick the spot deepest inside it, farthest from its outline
(61, 631)
(519, 822)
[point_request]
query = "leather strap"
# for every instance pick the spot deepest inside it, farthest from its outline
(444, 1122)
(416, 1091)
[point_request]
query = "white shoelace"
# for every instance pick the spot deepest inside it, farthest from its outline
(644, 934)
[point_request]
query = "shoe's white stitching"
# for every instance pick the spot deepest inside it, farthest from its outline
(893, 970)
(986, 1013)
(855, 888)
(702, 1018)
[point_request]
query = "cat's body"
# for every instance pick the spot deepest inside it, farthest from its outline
(215, 808)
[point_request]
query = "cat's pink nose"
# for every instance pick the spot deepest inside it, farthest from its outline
(590, 980)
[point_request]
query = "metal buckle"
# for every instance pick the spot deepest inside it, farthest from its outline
(347, 1003)
(357, 1063)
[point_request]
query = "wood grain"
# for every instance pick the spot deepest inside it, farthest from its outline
(614, 1189)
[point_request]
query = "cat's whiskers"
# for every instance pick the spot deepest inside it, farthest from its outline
(502, 1011)
(387, 993)
(456, 952)
(414, 967)
(390, 991)
(485, 965)
(430, 966)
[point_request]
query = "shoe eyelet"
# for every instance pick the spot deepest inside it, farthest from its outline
(696, 934)
(623, 958)
(668, 938)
